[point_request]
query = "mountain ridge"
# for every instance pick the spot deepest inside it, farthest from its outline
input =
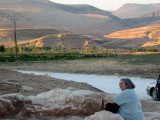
(46, 13)
(132, 10)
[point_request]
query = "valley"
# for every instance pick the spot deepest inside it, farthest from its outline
(41, 22)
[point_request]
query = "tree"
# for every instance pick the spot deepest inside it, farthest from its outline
(2, 48)
(20, 49)
(93, 47)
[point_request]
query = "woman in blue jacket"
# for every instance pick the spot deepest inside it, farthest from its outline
(129, 102)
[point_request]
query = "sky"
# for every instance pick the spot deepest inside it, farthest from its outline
(106, 4)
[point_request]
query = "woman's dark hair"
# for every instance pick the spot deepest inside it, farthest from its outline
(129, 83)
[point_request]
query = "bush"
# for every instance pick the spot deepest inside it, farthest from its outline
(139, 50)
(153, 50)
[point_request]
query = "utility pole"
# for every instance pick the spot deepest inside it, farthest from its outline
(15, 35)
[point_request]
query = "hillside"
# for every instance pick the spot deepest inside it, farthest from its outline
(46, 38)
(136, 10)
(83, 19)
(43, 13)
(85, 9)
(148, 36)
(148, 19)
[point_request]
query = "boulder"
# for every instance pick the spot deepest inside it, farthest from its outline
(7, 87)
(54, 102)
(11, 104)
(25, 88)
(6, 107)
(104, 115)
(68, 102)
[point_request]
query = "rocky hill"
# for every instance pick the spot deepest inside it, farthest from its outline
(136, 10)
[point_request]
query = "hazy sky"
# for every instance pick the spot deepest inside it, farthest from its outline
(106, 4)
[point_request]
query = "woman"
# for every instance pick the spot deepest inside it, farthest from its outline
(129, 102)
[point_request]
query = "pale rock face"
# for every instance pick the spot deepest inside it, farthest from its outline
(66, 102)
(104, 115)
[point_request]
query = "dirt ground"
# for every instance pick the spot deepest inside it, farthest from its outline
(88, 66)
(40, 83)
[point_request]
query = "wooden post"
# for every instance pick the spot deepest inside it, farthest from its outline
(15, 36)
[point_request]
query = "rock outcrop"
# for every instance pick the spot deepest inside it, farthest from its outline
(68, 102)
(55, 102)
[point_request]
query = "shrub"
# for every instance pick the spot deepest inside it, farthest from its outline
(153, 50)
(2, 48)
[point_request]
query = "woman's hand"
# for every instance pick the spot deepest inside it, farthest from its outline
(111, 101)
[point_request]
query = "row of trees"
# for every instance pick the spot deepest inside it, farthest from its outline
(21, 49)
